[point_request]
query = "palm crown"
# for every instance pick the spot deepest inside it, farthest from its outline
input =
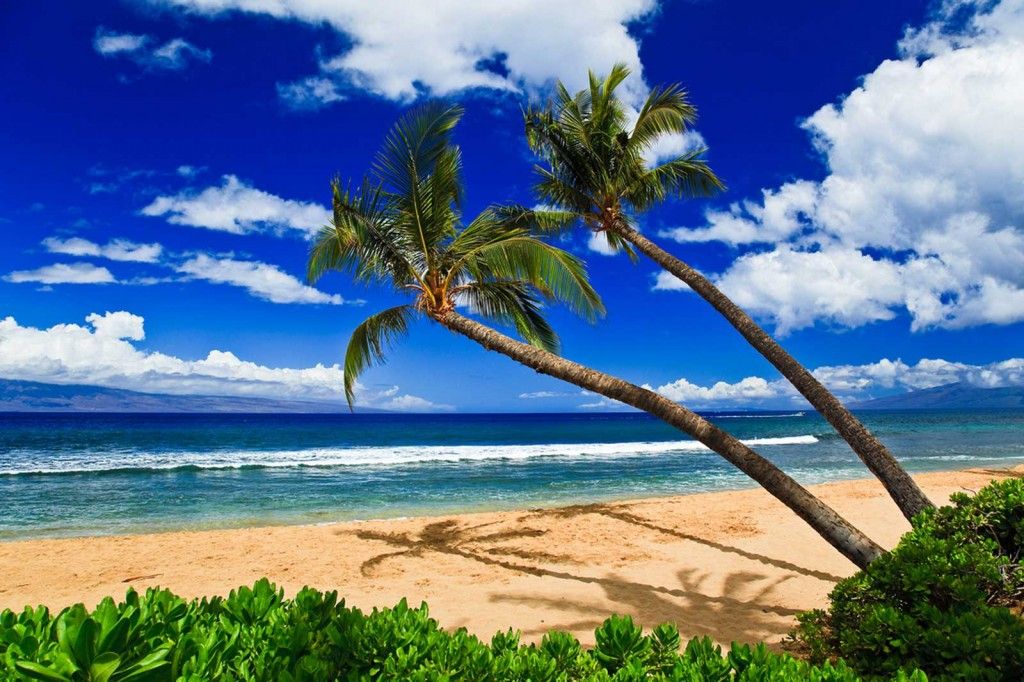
(402, 227)
(595, 164)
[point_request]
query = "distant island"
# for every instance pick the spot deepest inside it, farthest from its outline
(949, 397)
(32, 396)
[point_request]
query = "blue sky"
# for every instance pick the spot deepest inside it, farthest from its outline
(164, 162)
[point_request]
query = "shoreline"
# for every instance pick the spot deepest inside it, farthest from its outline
(425, 512)
(729, 564)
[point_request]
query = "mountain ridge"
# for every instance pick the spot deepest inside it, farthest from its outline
(33, 396)
(948, 396)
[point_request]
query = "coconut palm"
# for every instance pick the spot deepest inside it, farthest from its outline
(595, 173)
(402, 228)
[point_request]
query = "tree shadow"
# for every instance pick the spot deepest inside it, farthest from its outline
(619, 513)
(999, 473)
(448, 537)
(746, 609)
(724, 619)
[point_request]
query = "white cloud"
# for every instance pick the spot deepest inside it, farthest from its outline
(603, 403)
(63, 273)
(598, 243)
(239, 208)
(103, 354)
(926, 373)
(746, 390)
(117, 325)
(309, 93)
(539, 395)
(173, 55)
(924, 172)
(412, 403)
(401, 49)
(262, 280)
(668, 147)
(665, 281)
(854, 382)
(794, 289)
(117, 250)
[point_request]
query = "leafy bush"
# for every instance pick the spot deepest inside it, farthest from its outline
(947, 600)
(257, 634)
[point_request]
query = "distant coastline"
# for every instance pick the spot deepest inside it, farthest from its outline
(33, 396)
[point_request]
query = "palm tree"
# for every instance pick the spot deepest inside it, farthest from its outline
(596, 173)
(402, 228)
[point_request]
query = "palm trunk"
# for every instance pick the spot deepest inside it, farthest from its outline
(901, 487)
(853, 544)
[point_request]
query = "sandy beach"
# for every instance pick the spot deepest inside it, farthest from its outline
(733, 565)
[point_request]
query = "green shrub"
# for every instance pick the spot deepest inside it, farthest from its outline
(257, 634)
(939, 601)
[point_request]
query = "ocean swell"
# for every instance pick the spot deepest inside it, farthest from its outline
(27, 463)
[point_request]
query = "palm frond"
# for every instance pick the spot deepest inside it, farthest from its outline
(687, 176)
(666, 110)
(562, 191)
(370, 341)
(415, 143)
(555, 273)
(360, 239)
(419, 165)
(534, 220)
(511, 302)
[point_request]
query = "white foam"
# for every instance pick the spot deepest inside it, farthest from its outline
(758, 416)
(360, 456)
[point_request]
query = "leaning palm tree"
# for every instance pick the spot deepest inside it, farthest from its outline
(595, 173)
(402, 228)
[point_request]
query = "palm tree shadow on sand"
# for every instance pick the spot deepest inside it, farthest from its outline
(690, 604)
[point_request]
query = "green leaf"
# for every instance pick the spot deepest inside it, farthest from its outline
(39, 672)
(369, 342)
(144, 668)
(104, 666)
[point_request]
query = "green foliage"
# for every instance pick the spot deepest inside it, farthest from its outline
(257, 634)
(939, 601)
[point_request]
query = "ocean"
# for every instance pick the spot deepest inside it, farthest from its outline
(88, 474)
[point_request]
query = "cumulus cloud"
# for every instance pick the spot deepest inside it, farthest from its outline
(745, 391)
(144, 50)
(238, 208)
(401, 49)
(63, 273)
(118, 325)
(117, 249)
(924, 174)
(794, 288)
(103, 353)
(262, 280)
(853, 382)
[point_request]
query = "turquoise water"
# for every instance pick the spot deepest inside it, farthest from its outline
(82, 474)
